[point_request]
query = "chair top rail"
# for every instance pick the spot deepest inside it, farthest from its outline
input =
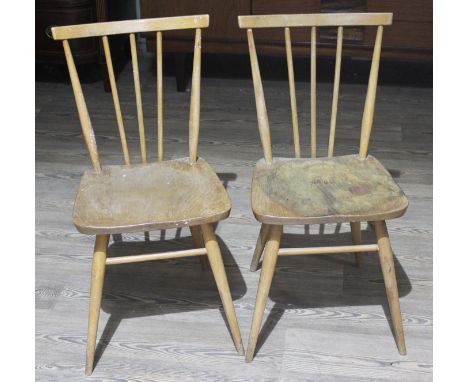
(315, 19)
(130, 26)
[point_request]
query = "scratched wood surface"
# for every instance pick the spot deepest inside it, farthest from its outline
(325, 190)
(140, 198)
(161, 321)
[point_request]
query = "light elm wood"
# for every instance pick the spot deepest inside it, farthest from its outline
(292, 92)
(262, 115)
(219, 273)
(159, 85)
(171, 327)
(336, 189)
(266, 276)
(198, 241)
(336, 91)
(261, 241)
(325, 190)
(369, 106)
(328, 250)
(130, 26)
(356, 237)
(143, 197)
(97, 282)
(156, 256)
(88, 132)
(136, 79)
(313, 92)
(115, 98)
(317, 19)
(194, 123)
(159, 195)
(391, 286)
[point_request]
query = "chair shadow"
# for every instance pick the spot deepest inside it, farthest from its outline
(161, 287)
(318, 281)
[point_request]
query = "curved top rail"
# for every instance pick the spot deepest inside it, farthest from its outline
(315, 20)
(130, 26)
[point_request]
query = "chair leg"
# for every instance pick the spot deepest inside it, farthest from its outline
(356, 234)
(97, 282)
(198, 240)
(219, 273)
(268, 269)
(261, 240)
(388, 270)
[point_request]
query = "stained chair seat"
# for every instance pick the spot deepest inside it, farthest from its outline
(149, 196)
(325, 190)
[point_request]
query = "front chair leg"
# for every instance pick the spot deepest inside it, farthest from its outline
(388, 270)
(268, 269)
(97, 282)
(261, 241)
(219, 273)
(356, 235)
(198, 240)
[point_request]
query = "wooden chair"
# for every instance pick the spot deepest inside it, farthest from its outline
(335, 189)
(148, 196)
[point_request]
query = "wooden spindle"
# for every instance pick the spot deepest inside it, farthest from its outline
(336, 89)
(83, 114)
(159, 93)
(136, 79)
(194, 122)
(115, 97)
(292, 92)
(262, 115)
(369, 106)
(313, 92)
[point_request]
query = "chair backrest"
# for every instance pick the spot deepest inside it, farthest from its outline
(313, 21)
(131, 27)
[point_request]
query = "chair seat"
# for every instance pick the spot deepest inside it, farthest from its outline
(325, 190)
(152, 196)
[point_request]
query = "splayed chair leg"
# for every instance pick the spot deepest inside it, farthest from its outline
(388, 271)
(97, 282)
(268, 270)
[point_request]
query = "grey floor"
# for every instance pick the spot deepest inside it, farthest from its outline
(326, 320)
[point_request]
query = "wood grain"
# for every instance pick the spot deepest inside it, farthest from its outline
(143, 198)
(115, 98)
(129, 26)
(318, 20)
(139, 106)
(325, 190)
(172, 327)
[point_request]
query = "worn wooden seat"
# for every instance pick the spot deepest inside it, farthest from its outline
(325, 190)
(143, 197)
(147, 197)
(352, 189)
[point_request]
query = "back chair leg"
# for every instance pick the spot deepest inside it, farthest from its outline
(262, 238)
(198, 240)
(388, 270)
(97, 282)
(268, 269)
(219, 273)
(356, 234)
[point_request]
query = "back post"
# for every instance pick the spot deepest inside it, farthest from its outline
(88, 132)
(194, 122)
(368, 115)
(262, 115)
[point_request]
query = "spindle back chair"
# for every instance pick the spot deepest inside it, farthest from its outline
(351, 188)
(146, 196)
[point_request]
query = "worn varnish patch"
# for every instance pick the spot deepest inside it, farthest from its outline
(151, 196)
(325, 190)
